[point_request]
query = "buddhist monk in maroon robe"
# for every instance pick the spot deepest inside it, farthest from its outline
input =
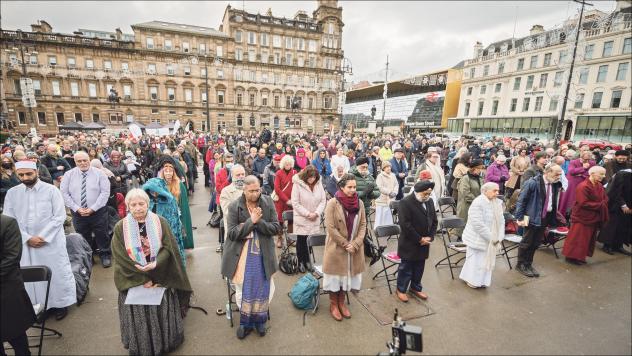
(589, 213)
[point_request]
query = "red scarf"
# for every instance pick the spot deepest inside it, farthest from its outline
(350, 206)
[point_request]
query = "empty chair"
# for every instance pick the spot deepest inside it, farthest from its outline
(447, 206)
(410, 180)
(452, 248)
(407, 189)
(288, 218)
(394, 205)
(387, 231)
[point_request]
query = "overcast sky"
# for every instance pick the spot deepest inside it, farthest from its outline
(418, 36)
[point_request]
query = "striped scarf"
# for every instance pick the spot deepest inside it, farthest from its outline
(131, 237)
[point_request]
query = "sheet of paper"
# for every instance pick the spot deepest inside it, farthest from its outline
(144, 296)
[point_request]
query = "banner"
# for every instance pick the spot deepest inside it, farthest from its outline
(135, 131)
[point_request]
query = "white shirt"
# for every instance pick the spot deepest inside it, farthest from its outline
(549, 207)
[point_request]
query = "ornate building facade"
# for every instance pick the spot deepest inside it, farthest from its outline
(254, 71)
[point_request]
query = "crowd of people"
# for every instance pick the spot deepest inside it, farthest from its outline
(129, 198)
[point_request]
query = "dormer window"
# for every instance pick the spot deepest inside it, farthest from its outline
(504, 47)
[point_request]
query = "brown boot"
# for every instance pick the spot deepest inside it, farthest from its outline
(342, 305)
(333, 306)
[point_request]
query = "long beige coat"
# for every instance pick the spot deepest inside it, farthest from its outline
(335, 258)
(517, 167)
(387, 184)
(305, 201)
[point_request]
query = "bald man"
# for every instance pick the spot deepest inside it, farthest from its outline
(86, 191)
(55, 164)
(588, 214)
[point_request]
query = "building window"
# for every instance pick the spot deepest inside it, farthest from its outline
(37, 87)
(466, 110)
(311, 45)
(188, 112)
(553, 103)
(238, 36)
(329, 102)
(517, 83)
(107, 64)
(92, 90)
(71, 62)
(219, 51)
(170, 69)
(154, 110)
(220, 97)
(501, 67)
(220, 74)
(21, 118)
(56, 88)
(251, 99)
(41, 118)
(288, 102)
(583, 75)
(276, 101)
(525, 104)
(60, 118)
(498, 87)
(530, 82)
(596, 101)
(171, 94)
(288, 59)
(538, 103)
(264, 99)
(520, 64)
(239, 54)
(469, 90)
(627, 45)
(547, 59)
(74, 89)
(483, 89)
(127, 91)
(203, 96)
(252, 38)
(480, 108)
(151, 68)
(150, 43)
(168, 45)
(276, 122)
(494, 107)
(622, 71)
(588, 51)
(202, 48)
(472, 72)
(288, 42)
(557, 81)
(562, 58)
(95, 117)
(579, 100)
(485, 70)
(124, 66)
(185, 47)
(615, 102)
(276, 41)
(78, 117)
(240, 120)
(188, 95)
(534, 62)
(153, 93)
(264, 40)
(172, 112)
(89, 63)
(52, 60)
(543, 79)
(33, 59)
(265, 56)
(602, 73)
(310, 103)
(607, 49)
(187, 70)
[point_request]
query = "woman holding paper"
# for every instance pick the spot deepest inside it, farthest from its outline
(145, 257)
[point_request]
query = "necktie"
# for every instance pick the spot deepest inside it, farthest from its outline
(84, 193)
(546, 200)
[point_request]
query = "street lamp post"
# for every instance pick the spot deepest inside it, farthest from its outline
(208, 113)
(24, 74)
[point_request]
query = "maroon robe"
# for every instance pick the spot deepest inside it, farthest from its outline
(589, 213)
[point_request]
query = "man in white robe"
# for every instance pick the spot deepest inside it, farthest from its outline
(39, 209)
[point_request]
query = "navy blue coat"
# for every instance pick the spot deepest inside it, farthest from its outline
(531, 200)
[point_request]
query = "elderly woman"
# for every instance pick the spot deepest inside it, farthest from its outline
(459, 171)
(498, 173)
(282, 195)
(388, 186)
(483, 232)
(145, 256)
(308, 203)
(517, 167)
(343, 261)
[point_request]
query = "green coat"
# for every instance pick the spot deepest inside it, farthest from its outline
(469, 189)
(185, 217)
(366, 187)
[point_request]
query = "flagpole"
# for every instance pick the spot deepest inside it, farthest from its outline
(385, 93)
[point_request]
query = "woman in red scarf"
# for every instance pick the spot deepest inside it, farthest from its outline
(343, 261)
(300, 161)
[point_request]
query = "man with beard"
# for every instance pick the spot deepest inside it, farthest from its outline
(231, 193)
(39, 209)
(418, 222)
(618, 230)
(621, 161)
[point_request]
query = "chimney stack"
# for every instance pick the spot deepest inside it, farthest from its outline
(478, 50)
(536, 29)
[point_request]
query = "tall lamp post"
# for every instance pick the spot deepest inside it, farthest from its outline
(24, 73)
(208, 113)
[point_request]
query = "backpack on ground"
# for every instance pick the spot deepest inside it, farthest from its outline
(304, 291)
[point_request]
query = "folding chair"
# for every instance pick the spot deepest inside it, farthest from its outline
(394, 205)
(410, 180)
(445, 205)
(407, 189)
(34, 274)
(288, 218)
(387, 231)
(452, 248)
(552, 237)
(510, 242)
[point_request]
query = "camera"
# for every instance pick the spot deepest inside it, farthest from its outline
(405, 337)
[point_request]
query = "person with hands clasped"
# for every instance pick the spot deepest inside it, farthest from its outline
(389, 187)
(145, 253)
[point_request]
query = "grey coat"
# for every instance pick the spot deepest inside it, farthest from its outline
(240, 226)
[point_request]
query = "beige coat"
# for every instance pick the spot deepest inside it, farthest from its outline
(387, 184)
(335, 258)
(229, 194)
(517, 167)
(305, 201)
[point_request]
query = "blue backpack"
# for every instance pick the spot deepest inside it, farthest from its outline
(304, 291)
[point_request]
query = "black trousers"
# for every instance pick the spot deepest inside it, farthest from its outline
(96, 224)
(302, 251)
(409, 273)
(20, 345)
(533, 236)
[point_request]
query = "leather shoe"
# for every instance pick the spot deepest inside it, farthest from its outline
(419, 294)
(622, 251)
(533, 271)
(522, 269)
(402, 296)
(261, 329)
(242, 332)
(106, 261)
(60, 313)
(608, 250)
(309, 267)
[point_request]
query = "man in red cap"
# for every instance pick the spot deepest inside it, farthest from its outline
(269, 173)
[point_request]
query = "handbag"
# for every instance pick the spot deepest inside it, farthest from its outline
(275, 196)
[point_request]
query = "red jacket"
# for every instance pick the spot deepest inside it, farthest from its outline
(120, 205)
(209, 156)
(283, 184)
(221, 181)
(200, 142)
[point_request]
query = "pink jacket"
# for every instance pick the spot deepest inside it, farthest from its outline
(305, 201)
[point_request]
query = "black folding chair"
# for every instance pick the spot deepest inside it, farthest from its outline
(445, 205)
(407, 189)
(288, 218)
(394, 205)
(410, 180)
(387, 231)
(452, 248)
(510, 242)
(34, 274)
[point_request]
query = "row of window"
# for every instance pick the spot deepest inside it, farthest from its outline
(602, 73)
(283, 59)
(615, 102)
(534, 61)
(60, 118)
(277, 41)
(185, 46)
(75, 88)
